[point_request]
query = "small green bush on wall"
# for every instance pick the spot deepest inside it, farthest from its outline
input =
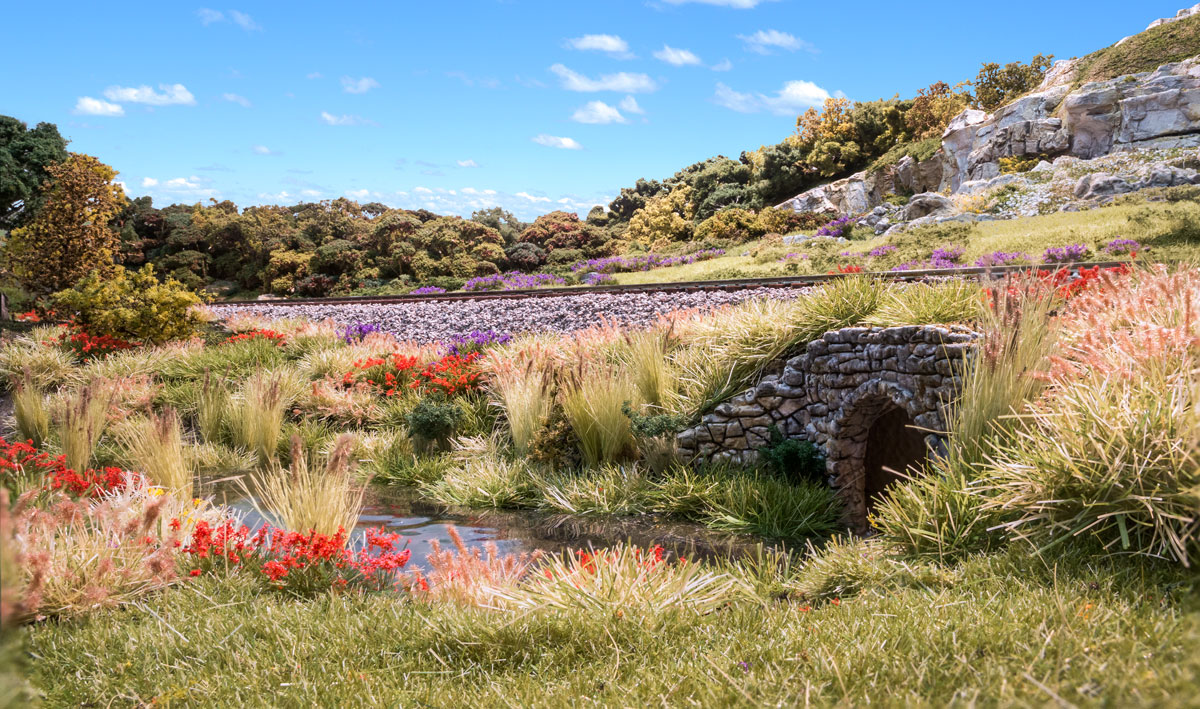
(132, 305)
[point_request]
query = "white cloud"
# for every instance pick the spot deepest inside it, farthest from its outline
(723, 65)
(467, 163)
(313, 75)
(423, 190)
(88, 106)
(358, 86)
(172, 94)
(622, 81)
(486, 82)
(149, 182)
(607, 43)
(180, 187)
(676, 57)
(492, 192)
(313, 193)
(359, 194)
(554, 141)
(239, 100)
(795, 96)
(629, 104)
(531, 198)
(263, 150)
(207, 16)
(597, 112)
(764, 41)
(736, 4)
(344, 120)
(244, 21)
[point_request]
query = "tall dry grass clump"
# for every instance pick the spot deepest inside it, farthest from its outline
(624, 579)
(645, 358)
(155, 447)
(593, 398)
(83, 420)
(307, 498)
(30, 411)
(213, 407)
(469, 576)
(523, 386)
(76, 557)
(1112, 454)
(256, 416)
(942, 513)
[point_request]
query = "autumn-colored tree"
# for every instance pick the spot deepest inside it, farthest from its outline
(934, 107)
(69, 237)
(560, 230)
(667, 216)
(996, 85)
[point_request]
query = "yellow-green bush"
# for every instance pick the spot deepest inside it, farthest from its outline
(132, 305)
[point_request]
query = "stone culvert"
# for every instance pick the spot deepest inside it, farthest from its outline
(871, 399)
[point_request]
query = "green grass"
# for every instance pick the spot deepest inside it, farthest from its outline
(999, 631)
(1171, 229)
(1146, 51)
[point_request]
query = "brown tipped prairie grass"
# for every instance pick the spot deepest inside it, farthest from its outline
(30, 411)
(213, 409)
(48, 367)
(83, 420)
(611, 490)
(644, 357)
(307, 498)
(155, 446)
(523, 387)
(955, 301)
(593, 398)
(256, 416)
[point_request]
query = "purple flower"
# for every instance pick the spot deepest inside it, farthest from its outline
(789, 257)
(512, 280)
(626, 264)
(1065, 254)
(838, 227)
(910, 266)
(358, 331)
(475, 341)
(880, 251)
(1120, 247)
(427, 290)
(1002, 258)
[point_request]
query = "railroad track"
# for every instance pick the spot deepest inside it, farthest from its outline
(678, 286)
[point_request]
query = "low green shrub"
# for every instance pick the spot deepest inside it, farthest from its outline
(132, 306)
(433, 421)
(792, 458)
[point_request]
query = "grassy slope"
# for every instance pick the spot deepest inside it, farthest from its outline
(998, 631)
(1143, 52)
(1169, 228)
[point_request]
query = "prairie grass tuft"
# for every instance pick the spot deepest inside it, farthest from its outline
(593, 401)
(611, 490)
(307, 498)
(30, 411)
(955, 301)
(48, 367)
(644, 356)
(155, 447)
(624, 579)
(524, 388)
(469, 576)
(256, 415)
(213, 409)
(482, 476)
(82, 422)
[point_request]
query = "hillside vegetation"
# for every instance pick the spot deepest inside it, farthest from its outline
(1165, 44)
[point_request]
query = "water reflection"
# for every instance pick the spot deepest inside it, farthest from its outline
(420, 521)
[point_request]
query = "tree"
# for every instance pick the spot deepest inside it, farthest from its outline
(667, 216)
(25, 155)
(934, 107)
(69, 236)
(634, 198)
(560, 230)
(502, 221)
(995, 85)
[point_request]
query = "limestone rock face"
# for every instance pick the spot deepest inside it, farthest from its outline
(922, 205)
(1136, 112)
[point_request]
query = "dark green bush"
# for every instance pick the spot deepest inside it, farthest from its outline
(433, 421)
(792, 458)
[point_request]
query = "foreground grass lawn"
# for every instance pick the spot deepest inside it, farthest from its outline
(996, 630)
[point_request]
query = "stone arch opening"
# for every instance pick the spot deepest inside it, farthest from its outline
(894, 450)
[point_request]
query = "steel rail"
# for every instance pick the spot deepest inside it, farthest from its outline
(677, 286)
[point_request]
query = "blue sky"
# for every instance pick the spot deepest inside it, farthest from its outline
(453, 106)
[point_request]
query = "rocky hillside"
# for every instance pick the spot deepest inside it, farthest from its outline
(1069, 144)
